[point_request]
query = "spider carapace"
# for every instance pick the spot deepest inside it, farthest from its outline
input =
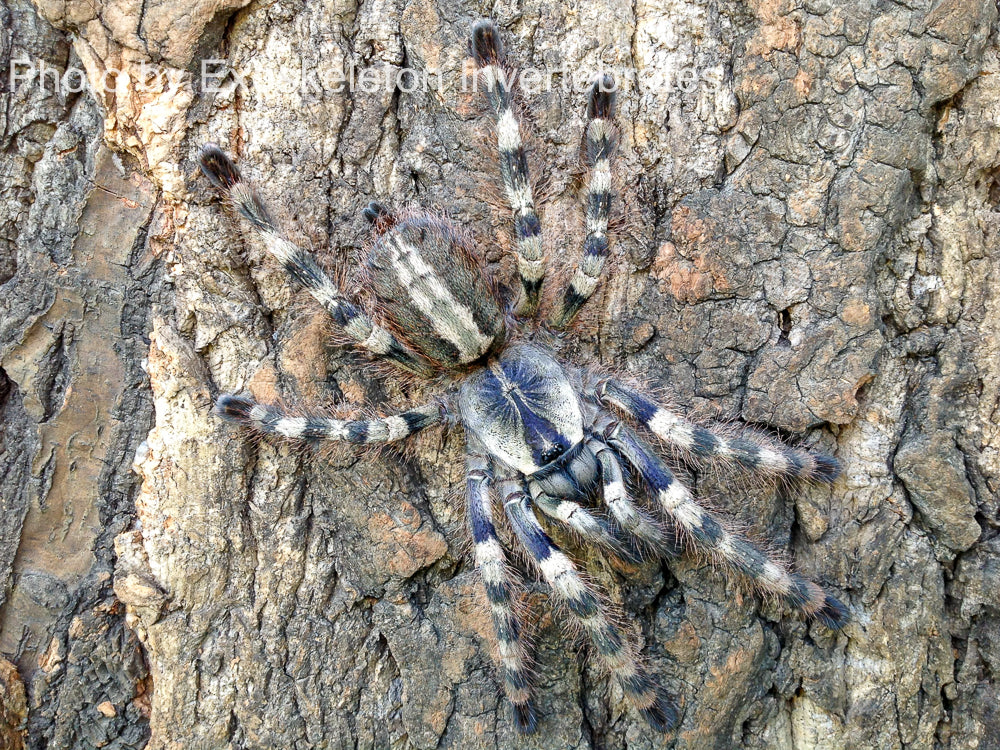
(543, 436)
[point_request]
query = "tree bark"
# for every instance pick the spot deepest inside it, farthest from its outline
(809, 210)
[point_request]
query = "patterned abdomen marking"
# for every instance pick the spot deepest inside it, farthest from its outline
(428, 284)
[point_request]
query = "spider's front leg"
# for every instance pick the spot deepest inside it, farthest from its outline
(630, 517)
(302, 266)
(589, 527)
(611, 647)
(709, 536)
(271, 420)
(487, 51)
(492, 566)
(699, 444)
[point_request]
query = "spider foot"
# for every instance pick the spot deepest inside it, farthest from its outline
(825, 468)
(812, 601)
(374, 212)
(601, 105)
(833, 614)
(653, 703)
(662, 716)
(525, 717)
(234, 408)
(485, 44)
(218, 168)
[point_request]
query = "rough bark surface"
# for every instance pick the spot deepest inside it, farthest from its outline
(809, 246)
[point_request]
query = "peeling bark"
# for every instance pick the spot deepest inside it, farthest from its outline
(808, 243)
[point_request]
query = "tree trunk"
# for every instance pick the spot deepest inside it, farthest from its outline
(808, 237)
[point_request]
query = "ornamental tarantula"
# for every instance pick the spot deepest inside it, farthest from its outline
(540, 433)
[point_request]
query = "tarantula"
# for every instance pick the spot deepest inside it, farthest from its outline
(540, 433)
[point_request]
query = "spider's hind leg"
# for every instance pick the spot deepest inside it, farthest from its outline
(302, 266)
(600, 138)
(487, 51)
(611, 647)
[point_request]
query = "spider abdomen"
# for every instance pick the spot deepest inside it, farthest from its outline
(523, 409)
(433, 291)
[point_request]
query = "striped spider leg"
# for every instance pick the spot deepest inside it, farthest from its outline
(631, 518)
(599, 142)
(696, 443)
(709, 535)
(612, 649)
(491, 563)
(302, 266)
(487, 51)
(600, 139)
(271, 420)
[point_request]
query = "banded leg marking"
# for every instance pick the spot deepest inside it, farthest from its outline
(492, 566)
(270, 420)
(732, 550)
(599, 145)
(586, 524)
(700, 443)
(302, 266)
(630, 516)
(610, 646)
(487, 51)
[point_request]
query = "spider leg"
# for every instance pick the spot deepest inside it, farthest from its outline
(599, 145)
(487, 51)
(629, 516)
(749, 452)
(271, 420)
(732, 550)
(302, 266)
(611, 648)
(586, 524)
(492, 566)
(379, 216)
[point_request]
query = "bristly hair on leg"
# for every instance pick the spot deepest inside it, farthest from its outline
(234, 408)
(714, 539)
(218, 168)
(599, 141)
(274, 420)
(497, 584)
(485, 45)
(749, 451)
(614, 651)
(497, 88)
(224, 175)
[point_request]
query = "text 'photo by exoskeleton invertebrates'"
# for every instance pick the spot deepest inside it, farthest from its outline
(549, 442)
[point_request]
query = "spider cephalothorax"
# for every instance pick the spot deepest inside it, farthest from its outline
(541, 435)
